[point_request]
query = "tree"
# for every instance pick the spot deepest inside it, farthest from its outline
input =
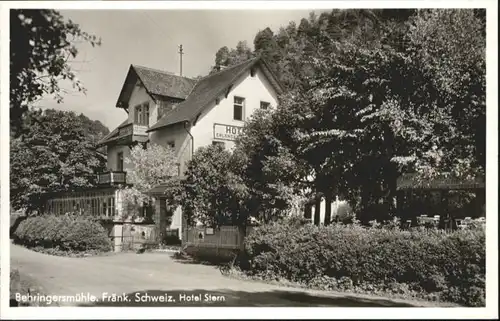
(450, 48)
(275, 164)
(41, 44)
(273, 176)
(227, 58)
(369, 114)
(265, 45)
(149, 167)
(213, 194)
(222, 56)
(56, 153)
(241, 53)
(371, 94)
(94, 128)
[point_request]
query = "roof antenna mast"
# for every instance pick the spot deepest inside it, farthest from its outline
(180, 54)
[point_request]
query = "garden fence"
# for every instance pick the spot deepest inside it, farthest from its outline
(224, 237)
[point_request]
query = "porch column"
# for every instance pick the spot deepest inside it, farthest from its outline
(184, 229)
(160, 216)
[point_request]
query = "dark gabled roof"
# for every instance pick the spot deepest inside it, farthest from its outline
(111, 136)
(156, 82)
(442, 182)
(209, 88)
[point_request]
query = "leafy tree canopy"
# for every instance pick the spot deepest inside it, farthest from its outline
(369, 114)
(56, 153)
(41, 44)
(149, 167)
(371, 94)
(213, 194)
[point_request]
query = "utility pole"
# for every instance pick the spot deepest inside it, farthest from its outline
(181, 53)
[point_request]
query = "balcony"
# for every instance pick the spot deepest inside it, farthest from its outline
(112, 178)
(132, 133)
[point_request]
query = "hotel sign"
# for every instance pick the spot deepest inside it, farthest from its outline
(227, 132)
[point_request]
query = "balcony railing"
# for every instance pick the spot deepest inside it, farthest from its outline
(111, 178)
(134, 130)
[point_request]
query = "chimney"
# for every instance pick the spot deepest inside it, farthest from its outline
(219, 67)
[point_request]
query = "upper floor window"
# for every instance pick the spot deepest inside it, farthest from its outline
(141, 116)
(264, 105)
(119, 162)
(239, 104)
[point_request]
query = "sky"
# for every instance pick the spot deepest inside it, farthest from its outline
(151, 38)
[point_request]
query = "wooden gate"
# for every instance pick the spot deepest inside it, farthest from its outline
(136, 236)
(226, 237)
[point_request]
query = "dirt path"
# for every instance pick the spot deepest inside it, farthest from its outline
(158, 275)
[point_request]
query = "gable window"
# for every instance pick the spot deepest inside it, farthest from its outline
(141, 116)
(264, 105)
(239, 104)
(119, 162)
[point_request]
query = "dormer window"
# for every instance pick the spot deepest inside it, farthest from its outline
(141, 114)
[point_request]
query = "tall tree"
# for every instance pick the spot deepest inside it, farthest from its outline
(272, 175)
(41, 44)
(369, 114)
(222, 56)
(94, 128)
(57, 153)
(149, 167)
(213, 194)
(225, 57)
(266, 46)
(450, 48)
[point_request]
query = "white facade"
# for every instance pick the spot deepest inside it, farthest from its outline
(254, 90)
(217, 116)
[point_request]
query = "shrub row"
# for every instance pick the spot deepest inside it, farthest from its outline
(67, 233)
(431, 264)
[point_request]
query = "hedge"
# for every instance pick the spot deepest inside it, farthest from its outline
(67, 233)
(430, 264)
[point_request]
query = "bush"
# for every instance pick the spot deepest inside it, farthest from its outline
(450, 266)
(66, 233)
(210, 255)
(171, 240)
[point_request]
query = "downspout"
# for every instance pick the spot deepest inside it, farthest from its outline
(192, 139)
(182, 215)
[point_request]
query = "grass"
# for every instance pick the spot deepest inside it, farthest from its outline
(24, 285)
